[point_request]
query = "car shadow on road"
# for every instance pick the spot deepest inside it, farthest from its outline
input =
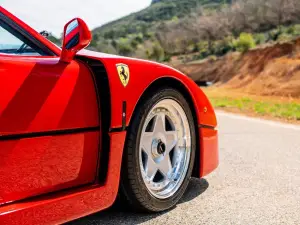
(117, 215)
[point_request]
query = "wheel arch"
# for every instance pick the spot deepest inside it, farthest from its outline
(176, 84)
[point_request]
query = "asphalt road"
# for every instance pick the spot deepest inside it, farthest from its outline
(257, 182)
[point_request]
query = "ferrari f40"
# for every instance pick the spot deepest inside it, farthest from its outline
(80, 128)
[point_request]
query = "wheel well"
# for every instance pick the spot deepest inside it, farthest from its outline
(176, 84)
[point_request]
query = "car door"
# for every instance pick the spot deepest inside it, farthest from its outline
(49, 120)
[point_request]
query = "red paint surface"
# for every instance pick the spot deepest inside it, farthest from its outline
(209, 154)
(40, 94)
(33, 166)
(64, 206)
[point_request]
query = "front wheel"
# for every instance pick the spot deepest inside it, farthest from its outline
(159, 152)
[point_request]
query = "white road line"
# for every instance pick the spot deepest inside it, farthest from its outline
(258, 120)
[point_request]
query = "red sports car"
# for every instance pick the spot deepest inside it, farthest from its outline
(78, 127)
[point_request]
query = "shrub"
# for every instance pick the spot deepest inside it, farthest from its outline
(285, 37)
(203, 48)
(114, 43)
(157, 53)
(260, 38)
(134, 44)
(274, 34)
(104, 46)
(139, 38)
(95, 40)
(148, 35)
(244, 42)
(213, 58)
(222, 47)
(124, 48)
(110, 34)
(291, 30)
(167, 58)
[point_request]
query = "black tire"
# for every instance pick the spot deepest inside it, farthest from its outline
(133, 191)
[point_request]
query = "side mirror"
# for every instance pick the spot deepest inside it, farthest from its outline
(76, 37)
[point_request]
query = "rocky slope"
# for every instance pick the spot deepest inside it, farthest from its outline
(272, 70)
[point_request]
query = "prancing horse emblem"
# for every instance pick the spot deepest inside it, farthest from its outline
(124, 74)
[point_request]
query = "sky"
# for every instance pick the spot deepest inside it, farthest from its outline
(52, 15)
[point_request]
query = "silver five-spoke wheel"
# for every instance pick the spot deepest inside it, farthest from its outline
(165, 148)
(160, 151)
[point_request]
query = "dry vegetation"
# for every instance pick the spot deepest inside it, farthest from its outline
(214, 32)
(273, 70)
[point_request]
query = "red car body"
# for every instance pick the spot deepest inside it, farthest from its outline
(63, 129)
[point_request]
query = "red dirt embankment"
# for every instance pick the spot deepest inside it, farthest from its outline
(273, 70)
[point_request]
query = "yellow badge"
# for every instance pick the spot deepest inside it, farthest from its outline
(124, 74)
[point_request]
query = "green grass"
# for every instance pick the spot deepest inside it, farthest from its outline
(283, 110)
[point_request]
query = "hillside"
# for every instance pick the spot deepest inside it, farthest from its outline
(158, 11)
(200, 27)
(135, 34)
(271, 71)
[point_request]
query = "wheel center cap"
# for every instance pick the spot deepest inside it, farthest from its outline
(158, 148)
(161, 147)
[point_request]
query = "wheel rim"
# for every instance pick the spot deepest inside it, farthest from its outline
(165, 148)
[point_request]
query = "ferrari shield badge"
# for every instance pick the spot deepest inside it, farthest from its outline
(124, 74)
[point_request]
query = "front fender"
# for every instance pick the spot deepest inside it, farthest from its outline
(142, 75)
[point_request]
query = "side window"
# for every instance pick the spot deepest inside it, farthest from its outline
(12, 43)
